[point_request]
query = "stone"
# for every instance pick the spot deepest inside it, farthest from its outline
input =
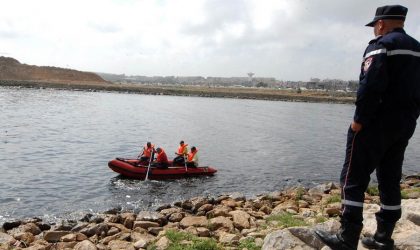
(332, 211)
(12, 224)
(85, 245)
(140, 244)
(176, 217)
(415, 218)
(25, 237)
(219, 211)
(120, 244)
(68, 237)
(170, 211)
(228, 238)
(205, 208)
(221, 222)
(128, 220)
(240, 219)
(145, 224)
(142, 237)
(203, 232)
(154, 230)
(283, 239)
(196, 221)
(162, 243)
(95, 229)
(306, 235)
(265, 209)
(229, 203)
(54, 236)
(112, 231)
(152, 216)
(197, 202)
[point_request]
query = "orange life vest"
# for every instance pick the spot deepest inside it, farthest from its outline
(191, 155)
(182, 149)
(161, 157)
(147, 152)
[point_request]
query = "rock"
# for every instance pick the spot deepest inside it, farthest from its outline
(159, 209)
(281, 208)
(240, 219)
(154, 230)
(203, 232)
(197, 202)
(112, 231)
(152, 216)
(415, 218)
(120, 227)
(228, 238)
(219, 211)
(95, 229)
(120, 244)
(229, 203)
(205, 208)
(332, 211)
(145, 224)
(176, 217)
(54, 236)
(196, 221)
(140, 244)
(170, 211)
(221, 198)
(68, 237)
(283, 239)
(65, 225)
(306, 235)
(142, 236)
(6, 239)
(221, 223)
(162, 243)
(10, 225)
(128, 220)
(85, 245)
(265, 209)
(237, 196)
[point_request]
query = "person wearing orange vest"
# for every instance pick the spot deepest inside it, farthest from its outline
(192, 160)
(161, 159)
(148, 151)
(181, 153)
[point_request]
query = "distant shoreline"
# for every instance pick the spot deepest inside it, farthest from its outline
(199, 91)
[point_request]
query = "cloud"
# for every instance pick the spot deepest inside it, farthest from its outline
(288, 39)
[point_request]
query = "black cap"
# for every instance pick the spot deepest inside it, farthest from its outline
(396, 12)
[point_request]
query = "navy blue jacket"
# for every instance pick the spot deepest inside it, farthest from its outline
(390, 78)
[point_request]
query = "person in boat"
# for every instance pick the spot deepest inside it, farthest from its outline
(161, 159)
(192, 160)
(147, 152)
(181, 153)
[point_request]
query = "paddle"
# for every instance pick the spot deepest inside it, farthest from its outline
(148, 167)
(185, 164)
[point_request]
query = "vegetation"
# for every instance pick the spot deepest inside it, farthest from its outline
(300, 191)
(373, 190)
(286, 220)
(333, 198)
(405, 193)
(248, 244)
(187, 241)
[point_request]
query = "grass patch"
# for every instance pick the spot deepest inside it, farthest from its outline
(320, 219)
(287, 220)
(197, 243)
(300, 191)
(333, 198)
(373, 190)
(249, 244)
(405, 192)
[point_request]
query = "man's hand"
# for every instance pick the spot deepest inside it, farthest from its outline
(356, 127)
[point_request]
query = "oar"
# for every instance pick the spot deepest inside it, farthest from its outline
(185, 164)
(148, 167)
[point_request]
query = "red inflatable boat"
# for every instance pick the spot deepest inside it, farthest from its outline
(136, 169)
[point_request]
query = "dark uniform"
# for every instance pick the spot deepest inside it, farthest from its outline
(387, 105)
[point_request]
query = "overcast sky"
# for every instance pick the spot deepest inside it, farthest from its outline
(285, 39)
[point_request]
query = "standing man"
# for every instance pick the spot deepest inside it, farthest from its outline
(387, 107)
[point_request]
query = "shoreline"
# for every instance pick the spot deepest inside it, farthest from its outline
(278, 220)
(197, 91)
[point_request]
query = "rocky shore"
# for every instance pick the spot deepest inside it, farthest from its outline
(200, 91)
(279, 220)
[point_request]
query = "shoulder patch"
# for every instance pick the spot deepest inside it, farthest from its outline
(367, 63)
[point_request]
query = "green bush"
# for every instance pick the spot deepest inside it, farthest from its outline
(249, 244)
(286, 220)
(373, 190)
(300, 191)
(197, 243)
(333, 198)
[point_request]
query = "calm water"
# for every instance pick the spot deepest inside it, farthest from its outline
(55, 145)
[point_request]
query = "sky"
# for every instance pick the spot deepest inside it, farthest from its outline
(285, 39)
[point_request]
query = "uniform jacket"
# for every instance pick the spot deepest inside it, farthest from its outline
(389, 79)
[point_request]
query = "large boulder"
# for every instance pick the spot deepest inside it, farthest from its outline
(240, 219)
(195, 221)
(85, 245)
(223, 223)
(283, 239)
(152, 216)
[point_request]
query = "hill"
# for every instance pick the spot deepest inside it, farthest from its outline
(12, 69)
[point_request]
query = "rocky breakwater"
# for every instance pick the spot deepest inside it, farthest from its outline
(279, 220)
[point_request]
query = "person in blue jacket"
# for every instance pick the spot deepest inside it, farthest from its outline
(387, 107)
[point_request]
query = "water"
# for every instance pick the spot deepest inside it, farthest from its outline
(55, 145)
